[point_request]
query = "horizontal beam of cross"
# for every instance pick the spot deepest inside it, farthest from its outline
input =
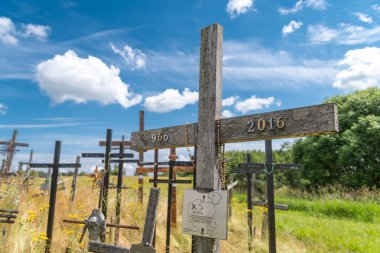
(107, 225)
(16, 144)
(144, 170)
(276, 206)
(259, 168)
(122, 160)
(101, 155)
(51, 165)
(173, 181)
(303, 121)
(115, 143)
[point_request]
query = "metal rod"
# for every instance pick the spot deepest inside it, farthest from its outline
(270, 199)
(107, 225)
(168, 220)
(118, 193)
(53, 196)
(249, 205)
(106, 174)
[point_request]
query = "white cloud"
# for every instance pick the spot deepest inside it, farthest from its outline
(313, 4)
(251, 65)
(236, 7)
(364, 17)
(255, 103)
(291, 27)
(71, 78)
(343, 35)
(230, 101)
(7, 31)
(134, 58)
(40, 32)
(376, 7)
(10, 34)
(362, 68)
(3, 109)
(170, 100)
(227, 114)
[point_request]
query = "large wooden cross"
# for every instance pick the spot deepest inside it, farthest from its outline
(10, 149)
(53, 188)
(311, 120)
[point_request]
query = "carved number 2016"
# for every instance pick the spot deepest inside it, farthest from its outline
(262, 124)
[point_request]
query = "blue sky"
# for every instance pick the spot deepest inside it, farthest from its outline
(72, 69)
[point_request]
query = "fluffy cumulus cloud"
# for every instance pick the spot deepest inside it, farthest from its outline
(376, 7)
(7, 31)
(40, 32)
(343, 35)
(301, 4)
(255, 103)
(10, 33)
(291, 27)
(230, 101)
(227, 114)
(3, 109)
(170, 100)
(134, 58)
(236, 7)
(68, 77)
(361, 69)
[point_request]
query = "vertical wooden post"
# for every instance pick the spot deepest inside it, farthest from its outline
(107, 168)
(155, 177)
(249, 204)
(118, 190)
(169, 211)
(28, 171)
(173, 157)
(141, 159)
(270, 198)
(210, 105)
(10, 152)
(53, 196)
(74, 183)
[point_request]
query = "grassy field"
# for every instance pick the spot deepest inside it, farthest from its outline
(328, 222)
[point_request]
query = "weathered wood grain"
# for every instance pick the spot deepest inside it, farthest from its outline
(99, 247)
(232, 185)
(151, 216)
(298, 122)
(209, 109)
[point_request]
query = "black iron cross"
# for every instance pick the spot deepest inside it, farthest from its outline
(250, 169)
(170, 181)
(53, 188)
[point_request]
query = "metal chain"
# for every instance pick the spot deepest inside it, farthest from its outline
(221, 156)
(187, 145)
(269, 172)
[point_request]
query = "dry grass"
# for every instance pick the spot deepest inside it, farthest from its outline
(26, 235)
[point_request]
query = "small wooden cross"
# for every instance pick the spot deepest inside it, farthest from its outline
(10, 150)
(53, 188)
(146, 243)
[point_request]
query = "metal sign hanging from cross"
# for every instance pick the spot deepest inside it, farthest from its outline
(53, 188)
(311, 120)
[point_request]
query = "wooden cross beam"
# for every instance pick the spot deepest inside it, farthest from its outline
(305, 121)
(8, 216)
(148, 233)
(10, 150)
(53, 188)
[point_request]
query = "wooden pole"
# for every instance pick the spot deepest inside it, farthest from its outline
(74, 183)
(270, 198)
(10, 152)
(53, 196)
(28, 171)
(210, 105)
(141, 159)
(106, 173)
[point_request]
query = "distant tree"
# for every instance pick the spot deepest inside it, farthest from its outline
(350, 158)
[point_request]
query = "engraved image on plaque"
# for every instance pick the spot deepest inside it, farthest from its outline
(205, 214)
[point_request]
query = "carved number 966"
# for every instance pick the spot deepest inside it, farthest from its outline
(262, 124)
(160, 137)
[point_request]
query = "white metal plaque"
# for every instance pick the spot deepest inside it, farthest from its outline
(205, 214)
